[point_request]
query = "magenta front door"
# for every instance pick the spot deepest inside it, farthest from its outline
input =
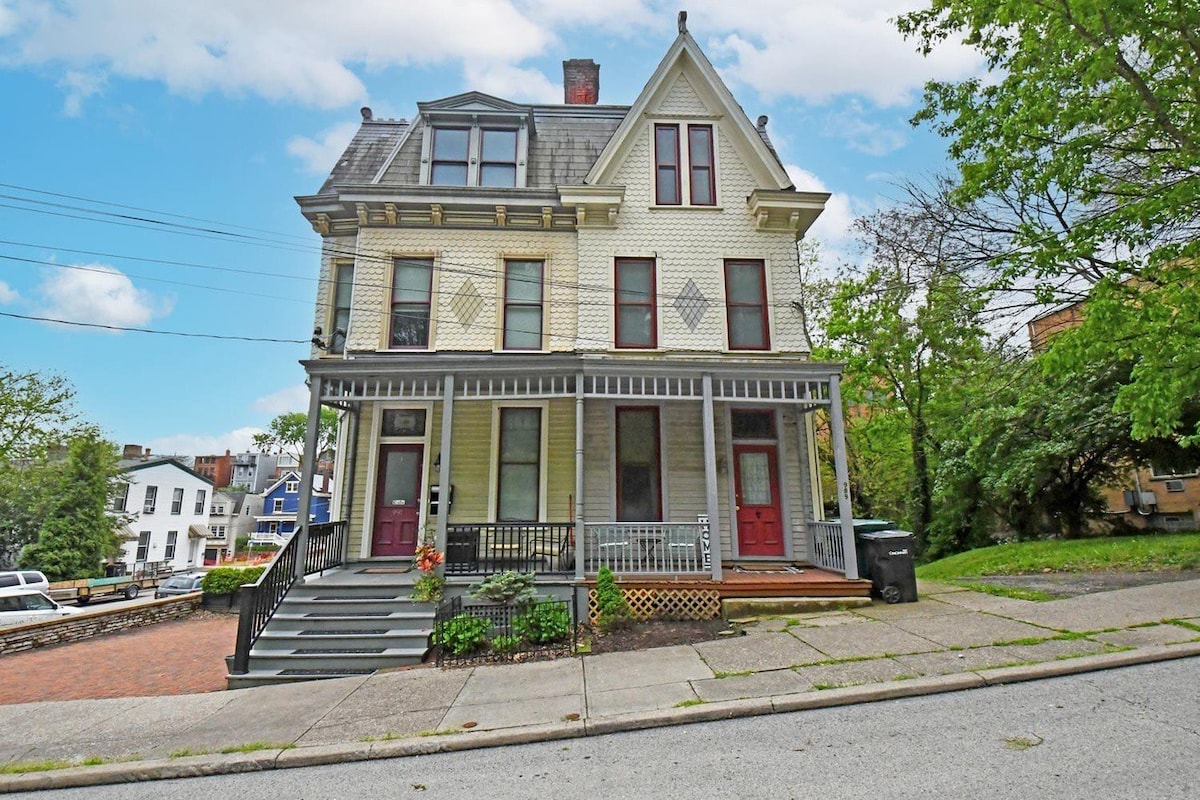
(759, 520)
(397, 500)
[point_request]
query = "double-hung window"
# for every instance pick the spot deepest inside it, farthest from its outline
(200, 497)
(684, 165)
(635, 306)
(519, 478)
(639, 465)
(143, 546)
(277, 506)
(151, 500)
(473, 156)
(177, 500)
(746, 305)
(451, 154)
(343, 293)
(412, 292)
(523, 305)
(120, 496)
(172, 537)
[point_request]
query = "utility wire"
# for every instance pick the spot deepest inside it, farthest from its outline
(150, 330)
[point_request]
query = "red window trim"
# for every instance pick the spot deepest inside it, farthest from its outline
(762, 304)
(427, 305)
(674, 165)
(618, 304)
(658, 502)
(709, 165)
(540, 304)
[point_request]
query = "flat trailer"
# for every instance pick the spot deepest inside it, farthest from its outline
(85, 590)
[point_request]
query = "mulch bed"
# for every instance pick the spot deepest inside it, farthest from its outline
(660, 633)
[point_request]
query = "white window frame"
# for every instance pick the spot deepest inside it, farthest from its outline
(172, 541)
(177, 501)
(291, 487)
(150, 502)
(277, 505)
(543, 456)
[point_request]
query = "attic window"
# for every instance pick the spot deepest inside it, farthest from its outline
(684, 166)
(474, 156)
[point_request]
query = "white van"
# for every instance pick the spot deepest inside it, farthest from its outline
(24, 579)
(27, 605)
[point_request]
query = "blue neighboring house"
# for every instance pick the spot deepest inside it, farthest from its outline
(281, 502)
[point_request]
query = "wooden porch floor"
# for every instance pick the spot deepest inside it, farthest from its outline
(806, 581)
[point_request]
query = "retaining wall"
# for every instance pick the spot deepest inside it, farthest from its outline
(94, 622)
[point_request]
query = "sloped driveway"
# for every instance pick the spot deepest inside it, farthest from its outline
(185, 656)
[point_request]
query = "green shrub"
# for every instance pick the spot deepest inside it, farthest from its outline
(227, 580)
(612, 610)
(544, 623)
(462, 634)
(506, 587)
(506, 644)
(429, 588)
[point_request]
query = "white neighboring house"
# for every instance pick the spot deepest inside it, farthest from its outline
(232, 514)
(168, 506)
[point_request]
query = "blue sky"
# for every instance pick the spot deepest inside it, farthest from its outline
(220, 112)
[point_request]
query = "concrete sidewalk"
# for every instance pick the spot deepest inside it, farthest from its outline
(951, 640)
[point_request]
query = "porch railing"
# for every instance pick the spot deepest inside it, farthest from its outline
(825, 546)
(259, 600)
(644, 547)
(489, 547)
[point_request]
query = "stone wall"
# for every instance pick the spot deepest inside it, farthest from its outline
(94, 623)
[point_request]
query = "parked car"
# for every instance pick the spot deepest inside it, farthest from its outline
(24, 579)
(179, 584)
(28, 605)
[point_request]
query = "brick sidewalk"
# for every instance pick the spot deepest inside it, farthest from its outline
(181, 657)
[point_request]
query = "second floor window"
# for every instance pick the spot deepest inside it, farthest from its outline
(635, 313)
(277, 506)
(200, 498)
(151, 500)
(523, 305)
(746, 305)
(412, 281)
(343, 292)
(120, 497)
(177, 500)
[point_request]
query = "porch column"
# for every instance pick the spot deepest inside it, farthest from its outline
(308, 464)
(443, 514)
(579, 531)
(710, 475)
(837, 434)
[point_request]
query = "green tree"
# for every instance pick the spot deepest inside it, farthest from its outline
(1090, 111)
(77, 534)
(23, 494)
(285, 433)
(35, 412)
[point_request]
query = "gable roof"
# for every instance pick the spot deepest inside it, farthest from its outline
(685, 55)
(134, 466)
(294, 475)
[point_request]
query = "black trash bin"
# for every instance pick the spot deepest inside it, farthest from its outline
(862, 526)
(890, 566)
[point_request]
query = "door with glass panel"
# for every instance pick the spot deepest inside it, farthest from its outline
(397, 500)
(756, 485)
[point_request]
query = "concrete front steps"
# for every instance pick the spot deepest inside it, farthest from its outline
(349, 624)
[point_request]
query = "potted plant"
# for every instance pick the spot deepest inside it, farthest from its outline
(430, 587)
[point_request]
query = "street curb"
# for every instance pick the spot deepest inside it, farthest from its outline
(318, 755)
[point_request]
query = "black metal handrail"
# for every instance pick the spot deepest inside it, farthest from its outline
(259, 600)
(489, 547)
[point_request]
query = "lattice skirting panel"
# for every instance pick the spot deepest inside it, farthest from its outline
(666, 603)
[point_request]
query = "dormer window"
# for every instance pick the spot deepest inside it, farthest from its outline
(474, 156)
(684, 165)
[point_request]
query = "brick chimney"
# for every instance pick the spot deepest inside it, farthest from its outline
(581, 82)
(132, 451)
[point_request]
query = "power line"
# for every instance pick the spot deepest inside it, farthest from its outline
(185, 334)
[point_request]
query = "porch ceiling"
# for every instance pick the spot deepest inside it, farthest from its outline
(419, 376)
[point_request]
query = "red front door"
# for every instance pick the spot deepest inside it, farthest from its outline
(759, 520)
(397, 500)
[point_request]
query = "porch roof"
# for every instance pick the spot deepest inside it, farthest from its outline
(483, 376)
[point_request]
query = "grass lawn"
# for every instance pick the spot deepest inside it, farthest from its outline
(1148, 553)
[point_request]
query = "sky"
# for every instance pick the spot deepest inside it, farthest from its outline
(150, 152)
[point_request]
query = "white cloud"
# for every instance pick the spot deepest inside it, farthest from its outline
(293, 398)
(8, 294)
(832, 228)
(859, 133)
(294, 50)
(189, 444)
(99, 294)
(79, 86)
(619, 16)
(816, 50)
(318, 154)
(512, 83)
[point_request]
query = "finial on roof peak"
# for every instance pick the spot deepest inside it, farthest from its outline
(683, 22)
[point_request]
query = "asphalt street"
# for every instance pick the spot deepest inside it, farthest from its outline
(1131, 732)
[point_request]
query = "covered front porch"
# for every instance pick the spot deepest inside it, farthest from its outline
(731, 477)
